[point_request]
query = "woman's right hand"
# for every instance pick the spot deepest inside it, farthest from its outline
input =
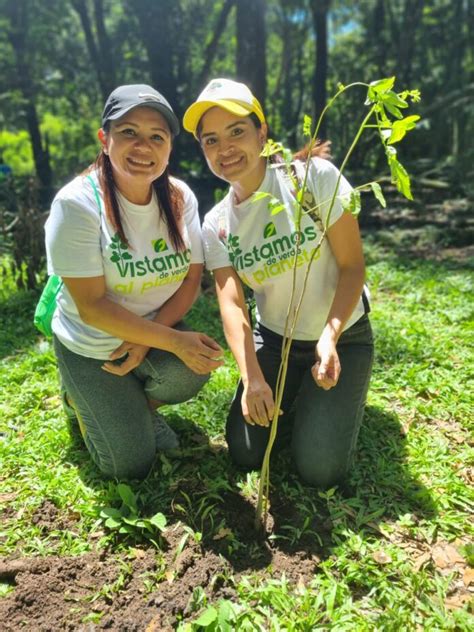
(199, 352)
(258, 406)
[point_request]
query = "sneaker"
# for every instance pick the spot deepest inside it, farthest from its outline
(165, 437)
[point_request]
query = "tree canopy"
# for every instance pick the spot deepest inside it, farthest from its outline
(60, 59)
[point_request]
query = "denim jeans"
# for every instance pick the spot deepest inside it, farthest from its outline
(113, 412)
(324, 428)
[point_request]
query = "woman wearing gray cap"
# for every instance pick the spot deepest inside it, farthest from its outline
(247, 245)
(125, 239)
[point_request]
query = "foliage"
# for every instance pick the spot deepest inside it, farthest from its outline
(126, 519)
(366, 39)
(15, 151)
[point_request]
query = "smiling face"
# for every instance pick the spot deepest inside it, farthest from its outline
(139, 146)
(232, 146)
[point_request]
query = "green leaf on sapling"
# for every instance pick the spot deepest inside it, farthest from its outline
(351, 203)
(394, 99)
(307, 123)
(377, 191)
(382, 85)
(260, 195)
(394, 111)
(400, 128)
(400, 178)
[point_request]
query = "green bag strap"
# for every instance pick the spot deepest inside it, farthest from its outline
(97, 197)
(96, 193)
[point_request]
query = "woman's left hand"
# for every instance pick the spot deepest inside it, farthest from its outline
(327, 368)
(136, 355)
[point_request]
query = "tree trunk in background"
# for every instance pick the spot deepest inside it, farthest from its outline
(158, 30)
(378, 36)
(211, 48)
(251, 62)
(412, 17)
(320, 10)
(18, 37)
(99, 62)
(106, 54)
(455, 77)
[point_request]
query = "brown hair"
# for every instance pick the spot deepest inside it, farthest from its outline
(170, 200)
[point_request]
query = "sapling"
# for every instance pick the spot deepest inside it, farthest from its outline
(385, 116)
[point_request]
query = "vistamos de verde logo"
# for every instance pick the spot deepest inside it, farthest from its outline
(130, 267)
(273, 249)
(159, 245)
(269, 230)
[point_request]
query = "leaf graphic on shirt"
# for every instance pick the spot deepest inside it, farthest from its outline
(115, 258)
(269, 230)
(159, 245)
(233, 241)
(126, 256)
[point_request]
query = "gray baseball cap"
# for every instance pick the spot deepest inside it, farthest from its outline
(125, 98)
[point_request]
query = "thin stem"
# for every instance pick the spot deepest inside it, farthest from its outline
(264, 486)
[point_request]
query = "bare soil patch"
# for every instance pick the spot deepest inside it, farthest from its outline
(145, 588)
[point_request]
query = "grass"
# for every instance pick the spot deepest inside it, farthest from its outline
(393, 555)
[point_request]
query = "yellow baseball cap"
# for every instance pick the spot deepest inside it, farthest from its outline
(230, 95)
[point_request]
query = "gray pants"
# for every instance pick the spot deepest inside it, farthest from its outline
(113, 412)
(326, 423)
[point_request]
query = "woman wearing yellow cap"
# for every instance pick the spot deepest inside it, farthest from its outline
(245, 245)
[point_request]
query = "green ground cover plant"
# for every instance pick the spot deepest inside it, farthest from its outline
(393, 552)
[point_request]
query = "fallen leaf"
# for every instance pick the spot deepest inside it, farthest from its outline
(421, 560)
(468, 576)
(5, 498)
(223, 533)
(446, 555)
(96, 534)
(457, 601)
(169, 576)
(381, 557)
(138, 553)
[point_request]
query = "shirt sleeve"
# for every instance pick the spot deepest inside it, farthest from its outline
(73, 239)
(214, 240)
(324, 177)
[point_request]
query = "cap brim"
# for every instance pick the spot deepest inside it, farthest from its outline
(196, 111)
(169, 116)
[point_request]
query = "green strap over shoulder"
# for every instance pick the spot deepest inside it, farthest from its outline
(96, 193)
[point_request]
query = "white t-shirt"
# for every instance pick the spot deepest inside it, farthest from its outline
(261, 248)
(141, 277)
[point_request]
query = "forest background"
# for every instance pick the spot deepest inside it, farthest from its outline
(60, 59)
